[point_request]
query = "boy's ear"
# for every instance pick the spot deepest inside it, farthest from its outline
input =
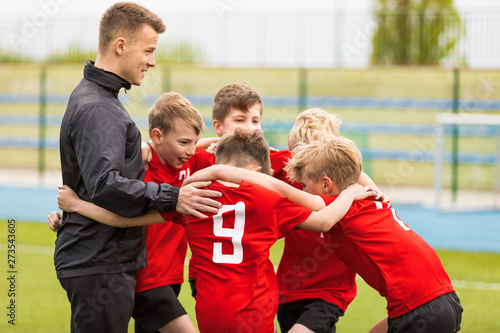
(257, 168)
(217, 126)
(326, 185)
(156, 136)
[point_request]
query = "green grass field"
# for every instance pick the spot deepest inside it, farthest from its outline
(42, 306)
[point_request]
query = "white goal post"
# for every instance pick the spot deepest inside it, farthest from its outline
(460, 119)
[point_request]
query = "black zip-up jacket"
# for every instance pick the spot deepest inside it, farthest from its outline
(101, 161)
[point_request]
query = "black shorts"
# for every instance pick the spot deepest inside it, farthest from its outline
(443, 315)
(156, 307)
(101, 302)
(316, 314)
(192, 283)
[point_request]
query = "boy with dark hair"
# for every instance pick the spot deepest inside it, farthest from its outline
(231, 248)
(370, 239)
(238, 105)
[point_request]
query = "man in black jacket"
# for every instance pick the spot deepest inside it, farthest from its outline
(101, 161)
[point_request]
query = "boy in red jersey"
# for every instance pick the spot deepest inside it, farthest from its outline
(315, 286)
(370, 239)
(174, 127)
(234, 106)
(237, 287)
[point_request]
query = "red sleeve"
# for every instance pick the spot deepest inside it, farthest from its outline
(279, 159)
(328, 199)
(201, 159)
(289, 214)
(171, 215)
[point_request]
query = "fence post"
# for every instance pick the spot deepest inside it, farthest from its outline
(42, 123)
(302, 89)
(454, 161)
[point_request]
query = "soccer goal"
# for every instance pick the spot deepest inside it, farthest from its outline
(469, 178)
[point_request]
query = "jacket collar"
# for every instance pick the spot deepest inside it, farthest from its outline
(104, 78)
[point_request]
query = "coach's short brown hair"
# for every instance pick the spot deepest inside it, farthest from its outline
(243, 148)
(125, 19)
(334, 157)
(235, 95)
(170, 106)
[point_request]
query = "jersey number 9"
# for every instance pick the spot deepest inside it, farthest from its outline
(236, 234)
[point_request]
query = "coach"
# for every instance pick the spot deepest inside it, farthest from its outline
(101, 161)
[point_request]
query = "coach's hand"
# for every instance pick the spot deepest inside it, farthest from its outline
(54, 220)
(193, 200)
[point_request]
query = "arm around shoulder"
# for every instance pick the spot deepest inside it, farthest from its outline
(326, 218)
(237, 175)
(69, 202)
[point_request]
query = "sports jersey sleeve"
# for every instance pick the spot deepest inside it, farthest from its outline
(171, 215)
(289, 214)
(279, 160)
(201, 159)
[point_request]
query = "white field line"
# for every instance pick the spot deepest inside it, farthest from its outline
(460, 284)
(49, 250)
(29, 249)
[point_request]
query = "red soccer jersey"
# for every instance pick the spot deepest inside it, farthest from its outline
(309, 269)
(372, 241)
(279, 159)
(236, 283)
(166, 242)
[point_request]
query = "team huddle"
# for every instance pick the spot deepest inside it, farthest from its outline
(131, 210)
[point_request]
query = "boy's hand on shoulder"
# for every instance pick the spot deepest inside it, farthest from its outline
(360, 192)
(208, 143)
(54, 220)
(212, 148)
(381, 196)
(147, 155)
(194, 200)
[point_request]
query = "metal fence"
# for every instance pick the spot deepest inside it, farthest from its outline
(327, 39)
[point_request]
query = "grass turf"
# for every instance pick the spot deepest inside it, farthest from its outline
(42, 306)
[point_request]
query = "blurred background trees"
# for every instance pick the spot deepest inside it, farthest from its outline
(416, 32)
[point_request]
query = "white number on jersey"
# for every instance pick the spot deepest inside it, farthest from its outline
(236, 234)
(184, 174)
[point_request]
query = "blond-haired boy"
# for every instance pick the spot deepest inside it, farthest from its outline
(370, 239)
(315, 286)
